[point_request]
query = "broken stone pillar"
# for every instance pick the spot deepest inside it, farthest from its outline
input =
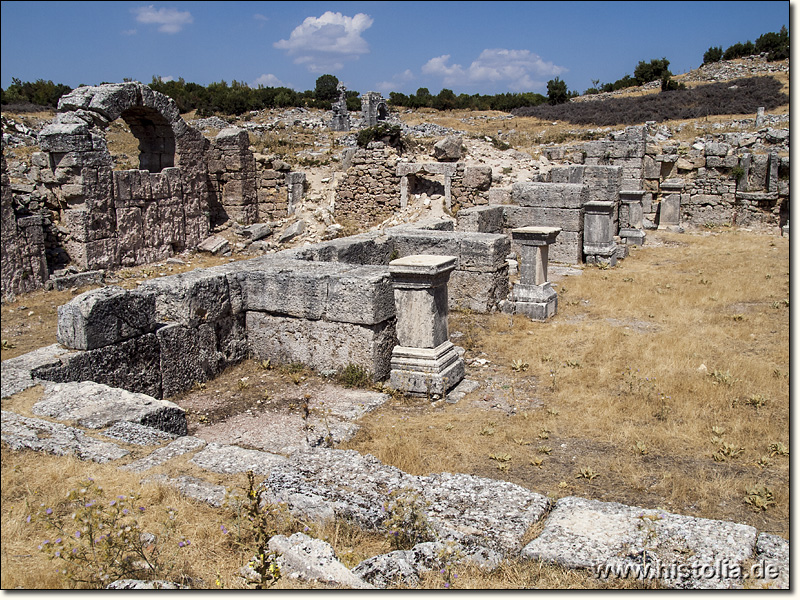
(341, 116)
(598, 233)
(425, 362)
(534, 295)
(669, 213)
(631, 230)
(295, 182)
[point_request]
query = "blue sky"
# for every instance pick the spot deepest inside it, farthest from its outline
(468, 47)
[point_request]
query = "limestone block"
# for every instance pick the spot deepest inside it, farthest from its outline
(188, 356)
(449, 149)
(481, 219)
(132, 365)
(482, 252)
(105, 316)
(588, 534)
(478, 178)
(477, 291)
(716, 149)
(362, 295)
(550, 195)
(45, 436)
(568, 219)
(311, 559)
(65, 137)
(669, 213)
(426, 371)
(191, 298)
(94, 405)
(408, 242)
(322, 345)
(99, 254)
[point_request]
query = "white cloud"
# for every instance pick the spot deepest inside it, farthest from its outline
(167, 79)
(129, 32)
(268, 80)
(260, 17)
(169, 20)
(395, 83)
(325, 42)
(520, 70)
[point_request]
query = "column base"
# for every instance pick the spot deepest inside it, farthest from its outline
(603, 255)
(426, 371)
(535, 311)
(632, 237)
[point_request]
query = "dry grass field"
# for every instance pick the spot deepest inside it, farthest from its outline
(663, 382)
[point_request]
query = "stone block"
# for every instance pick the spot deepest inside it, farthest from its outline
(105, 316)
(133, 365)
(478, 178)
(322, 345)
(192, 298)
(587, 534)
(95, 406)
(527, 216)
(188, 356)
(65, 137)
(99, 254)
(550, 195)
(481, 219)
(362, 295)
(476, 290)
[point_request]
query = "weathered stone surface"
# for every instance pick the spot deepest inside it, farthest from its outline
(588, 534)
(135, 433)
(481, 219)
(192, 487)
(449, 149)
(95, 405)
(132, 365)
(473, 511)
(215, 244)
(16, 373)
(191, 298)
(550, 195)
(159, 456)
(322, 345)
(310, 559)
(233, 459)
(772, 556)
(105, 316)
(404, 567)
(45, 436)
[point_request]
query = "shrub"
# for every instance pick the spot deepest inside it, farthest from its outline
(355, 376)
(407, 522)
(98, 542)
(557, 91)
(712, 55)
(382, 132)
(654, 70)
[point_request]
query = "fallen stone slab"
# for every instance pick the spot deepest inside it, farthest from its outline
(139, 435)
(159, 456)
(310, 559)
(141, 584)
(233, 459)
(771, 568)
(75, 280)
(45, 436)
(214, 244)
(256, 231)
(473, 511)
(192, 487)
(15, 375)
(95, 405)
(613, 539)
(404, 567)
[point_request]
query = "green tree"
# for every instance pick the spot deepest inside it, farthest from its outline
(325, 90)
(712, 55)
(656, 69)
(557, 91)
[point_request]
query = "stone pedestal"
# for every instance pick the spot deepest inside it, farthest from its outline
(534, 296)
(598, 233)
(425, 362)
(631, 230)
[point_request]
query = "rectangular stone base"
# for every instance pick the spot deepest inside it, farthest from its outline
(535, 311)
(632, 237)
(426, 371)
(602, 256)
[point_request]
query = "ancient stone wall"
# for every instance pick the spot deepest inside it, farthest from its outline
(369, 190)
(23, 267)
(112, 218)
(733, 178)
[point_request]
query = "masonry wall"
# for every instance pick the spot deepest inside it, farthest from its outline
(369, 190)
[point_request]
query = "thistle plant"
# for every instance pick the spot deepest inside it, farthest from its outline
(407, 521)
(97, 541)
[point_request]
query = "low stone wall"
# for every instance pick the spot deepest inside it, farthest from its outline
(172, 332)
(479, 281)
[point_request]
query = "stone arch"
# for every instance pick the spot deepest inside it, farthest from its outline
(165, 140)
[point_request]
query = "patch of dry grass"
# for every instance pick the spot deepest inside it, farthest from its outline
(620, 390)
